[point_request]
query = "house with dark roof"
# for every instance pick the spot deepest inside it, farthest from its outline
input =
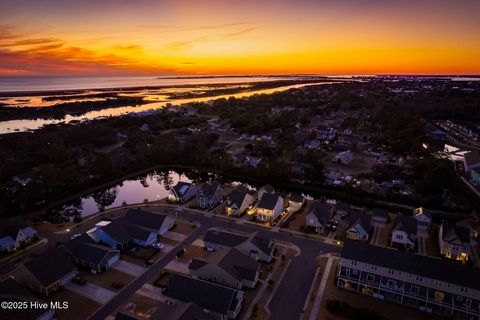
(454, 241)
(158, 223)
(182, 192)
(318, 216)
(12, 292)
(210, 195)
(423, 216)
(269, 207)
(425, 283)
(252, 245)
(380, 215)
(122, 234)
(46, 273)
(296, 199)
(265, 189)
(359, 226)
(404, 231)
(14, 236)
(223, 301)
(183, 311)
(85, 252)
(228, 267)
(239, 201)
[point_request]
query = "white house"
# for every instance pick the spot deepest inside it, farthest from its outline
(270, 207)
(12, 237)
(265, 189)
(404, 231)
(454, 242)
(238, 201)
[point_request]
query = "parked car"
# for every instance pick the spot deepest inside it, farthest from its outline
(158, 245)
(75, 236)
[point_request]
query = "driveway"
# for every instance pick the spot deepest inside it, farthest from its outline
(152, 292)
(174, 236)
(128, 267)
(92, 292)
(176, 266)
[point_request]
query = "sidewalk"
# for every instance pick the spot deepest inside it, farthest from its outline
(321, 289)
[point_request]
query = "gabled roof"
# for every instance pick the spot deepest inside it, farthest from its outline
(208, 189)
(263, 244)
(237, 196)
(85, 249)
(237, 264)
(196, 264)
(13, 230)
(224, 238)
(451, 233)
(406, 224)
(181, 188)
(296, 198)
(207, 295)
(145, 219)
(268, 189)
(323, 211)
(183, 311)
(430, 267)
(362, 219)
(50, 267)
(268, 201)
(123, 231)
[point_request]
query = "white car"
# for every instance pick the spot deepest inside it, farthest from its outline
(158, 245)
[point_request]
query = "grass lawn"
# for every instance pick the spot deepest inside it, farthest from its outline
(79, 307)
(183, 227)
(107, 278)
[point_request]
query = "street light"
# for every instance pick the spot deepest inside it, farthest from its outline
(158, 200)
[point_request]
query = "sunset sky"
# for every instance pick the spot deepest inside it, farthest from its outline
(123, 37)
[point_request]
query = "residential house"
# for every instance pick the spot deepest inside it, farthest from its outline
(404, 231)
(182, 192)
(239, 201)
(84, 251)
(313, 144)
(158, 223)
(359, 226)
(223, 301)
(425, 283)
(14, 236)
(318, 216)
(423, 216)
(210, 195)
(23, 179)
(178, 311)
(228, 267)
(265, 189)
(122, 234)
(11, 292)
(380, 215)
(296, 200)
(269, 207)
(256, 247)
(344, 157)
(472, 222)
(46, 273)
(471, 160)
(454, 242)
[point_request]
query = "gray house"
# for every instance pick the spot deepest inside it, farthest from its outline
(318, 216)
(182, 192)
(210, 195)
